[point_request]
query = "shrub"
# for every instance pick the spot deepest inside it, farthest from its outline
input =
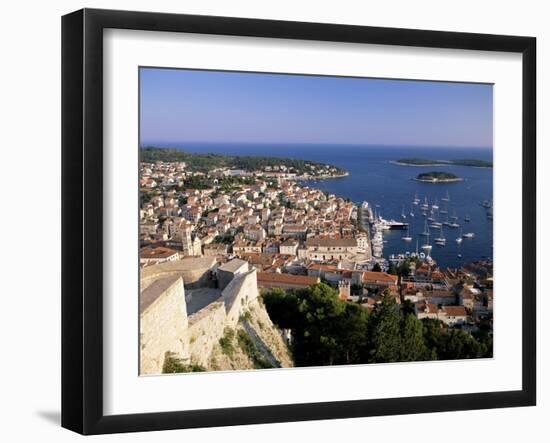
(226, 342)
(174, 365)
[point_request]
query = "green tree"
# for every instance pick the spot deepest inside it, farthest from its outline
(433, 332)
(385, 332)
(413, 347)
(376, 268)
(458, 344)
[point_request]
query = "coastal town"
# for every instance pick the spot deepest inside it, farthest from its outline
(294, 236)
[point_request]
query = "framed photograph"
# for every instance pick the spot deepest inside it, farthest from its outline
(268, 221)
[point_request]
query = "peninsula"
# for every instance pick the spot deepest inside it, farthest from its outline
(459, 162)
(437, 177)
(243, 165)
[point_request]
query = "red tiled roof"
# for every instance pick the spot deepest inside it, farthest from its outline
(273, 277)
(455, 311)
(379, 277)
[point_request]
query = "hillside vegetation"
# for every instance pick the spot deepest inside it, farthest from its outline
(254, 344)
(208, 162)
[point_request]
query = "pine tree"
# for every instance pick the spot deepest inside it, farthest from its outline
(413, 347)
(385, 336)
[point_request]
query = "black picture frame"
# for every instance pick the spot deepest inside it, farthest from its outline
(82, 215)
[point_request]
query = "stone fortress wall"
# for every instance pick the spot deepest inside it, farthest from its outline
(205, 330)
(190, 326)
(195, 272)
(163, 324)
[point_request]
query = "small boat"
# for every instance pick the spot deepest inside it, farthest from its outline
(486, 204)
(407, 237)
(412, 212)
(447, 197)
(416, 200)
(459, 255)
(441, 240)
(454, 225)
(459, 238)
(427, 247)
(468, 235)
(436, 225)
(467, 218)
(426, 230)
(403, 212)
(435, 205)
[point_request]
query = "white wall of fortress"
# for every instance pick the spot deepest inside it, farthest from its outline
(165, 326)
(192, 271)
(205, 330)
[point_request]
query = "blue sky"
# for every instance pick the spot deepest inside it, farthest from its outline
(215, 106)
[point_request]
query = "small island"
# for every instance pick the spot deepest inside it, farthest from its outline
(438, 177)
(459, 162)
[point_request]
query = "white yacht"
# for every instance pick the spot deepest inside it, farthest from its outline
(469, 235)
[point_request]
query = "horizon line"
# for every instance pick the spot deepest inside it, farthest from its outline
(167, 143)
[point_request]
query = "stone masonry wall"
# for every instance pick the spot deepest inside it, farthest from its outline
(164, 327)
(205, 330)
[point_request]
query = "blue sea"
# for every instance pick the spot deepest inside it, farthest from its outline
(390, 188)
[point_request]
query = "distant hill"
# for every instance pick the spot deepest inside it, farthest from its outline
(460, 162)
(207, 162)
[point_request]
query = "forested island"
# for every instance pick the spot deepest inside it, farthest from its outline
(459, 162)
(437, 177)
(207, 162)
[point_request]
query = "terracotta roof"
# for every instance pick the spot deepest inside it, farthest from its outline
(421, 308)
(455, 311)
(379, 276)
(273, 277)
(159, 252)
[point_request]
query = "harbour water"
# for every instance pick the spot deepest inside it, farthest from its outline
(390, 189)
